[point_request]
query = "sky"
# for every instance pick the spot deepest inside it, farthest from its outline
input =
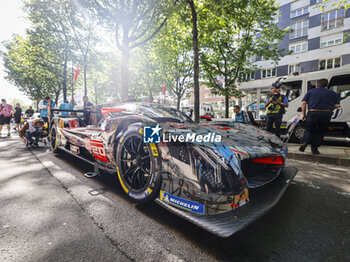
(12, 21)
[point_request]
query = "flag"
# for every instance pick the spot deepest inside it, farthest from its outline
(76, 73)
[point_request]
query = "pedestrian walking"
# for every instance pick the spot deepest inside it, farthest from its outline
(33, 128)
(240, 116)
(275, 109)
(5, 116)
(17, 115)
(320, 102)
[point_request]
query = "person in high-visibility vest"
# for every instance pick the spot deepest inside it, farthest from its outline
(275, 108)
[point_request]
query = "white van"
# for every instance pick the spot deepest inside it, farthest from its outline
(205, 109)
(295, 87)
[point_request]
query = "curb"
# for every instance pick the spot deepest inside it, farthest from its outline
(320, 159)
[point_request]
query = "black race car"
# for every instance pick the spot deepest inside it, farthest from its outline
(219, 175)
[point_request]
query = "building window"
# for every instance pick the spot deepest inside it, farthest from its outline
(332, 19)
(330, 63)
(298, 48)
(335, 41)
(294, 68)
(299, 29)
(299, 12)
(266, 73)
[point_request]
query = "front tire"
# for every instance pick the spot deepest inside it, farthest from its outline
(54, 139)
(138, 165)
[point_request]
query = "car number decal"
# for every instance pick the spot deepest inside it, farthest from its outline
(98, 150)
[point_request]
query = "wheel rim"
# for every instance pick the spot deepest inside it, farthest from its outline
(299, 133)
(135, 163)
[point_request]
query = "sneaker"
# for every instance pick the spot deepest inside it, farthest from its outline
(316, 152)
(302, 148)
(36, 145)
(8, 134)
(15, 129)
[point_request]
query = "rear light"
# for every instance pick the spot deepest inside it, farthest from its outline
(274, 160)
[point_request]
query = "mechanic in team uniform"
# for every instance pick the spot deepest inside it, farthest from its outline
(29, 112)
(45, 106)
(17, 116)
(87, 109)
(275, 109)
(67, 106)
(5, 116)
(33, 128)
(320, 102)
(240, 116)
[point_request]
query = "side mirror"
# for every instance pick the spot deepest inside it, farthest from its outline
(299, 109)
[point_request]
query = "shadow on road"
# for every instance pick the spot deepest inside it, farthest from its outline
(308, 224)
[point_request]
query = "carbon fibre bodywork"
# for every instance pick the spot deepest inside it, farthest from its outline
(199, 180)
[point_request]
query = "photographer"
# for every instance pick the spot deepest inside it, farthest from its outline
(275, 108)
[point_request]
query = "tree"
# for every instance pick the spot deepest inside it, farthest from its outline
(173, 51)
(134, 22)
(243, 29)
(32, 67)
(339, 4)
(194, 17)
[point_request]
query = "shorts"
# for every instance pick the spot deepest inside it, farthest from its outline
(4, 120)
(17, 120)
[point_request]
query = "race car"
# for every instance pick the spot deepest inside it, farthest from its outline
(220, 176)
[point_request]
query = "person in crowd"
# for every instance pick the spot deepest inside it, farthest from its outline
(29, 112)
(320, 102)
(33, 128)
(17, 116)
(189, 112)
(67, 106)
(240, 116)
(87, 109)
(5, 116)
(275, 108)
(45, 107)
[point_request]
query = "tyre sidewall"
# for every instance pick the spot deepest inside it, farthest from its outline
(152, 189)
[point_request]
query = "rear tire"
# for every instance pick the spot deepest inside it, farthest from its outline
(138, 165)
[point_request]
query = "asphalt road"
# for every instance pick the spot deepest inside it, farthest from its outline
(50, 211)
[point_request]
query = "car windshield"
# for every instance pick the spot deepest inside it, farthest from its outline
(155, 111)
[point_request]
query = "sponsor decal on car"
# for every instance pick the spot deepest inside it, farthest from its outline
(185, 204)
(98, 150)
(152, 135)
(141, 195)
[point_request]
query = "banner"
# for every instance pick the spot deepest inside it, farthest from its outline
(76, 73)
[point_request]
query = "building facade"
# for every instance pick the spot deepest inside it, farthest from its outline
(319, 41)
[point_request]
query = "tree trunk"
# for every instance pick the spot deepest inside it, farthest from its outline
(125, 72)
(227, 105)
(150, 95)
(57, 94)
(178, 101)
(196, 61)
(64, 81)
(85, 80)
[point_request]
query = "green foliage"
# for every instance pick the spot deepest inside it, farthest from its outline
(231, 29)
(32, 67)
